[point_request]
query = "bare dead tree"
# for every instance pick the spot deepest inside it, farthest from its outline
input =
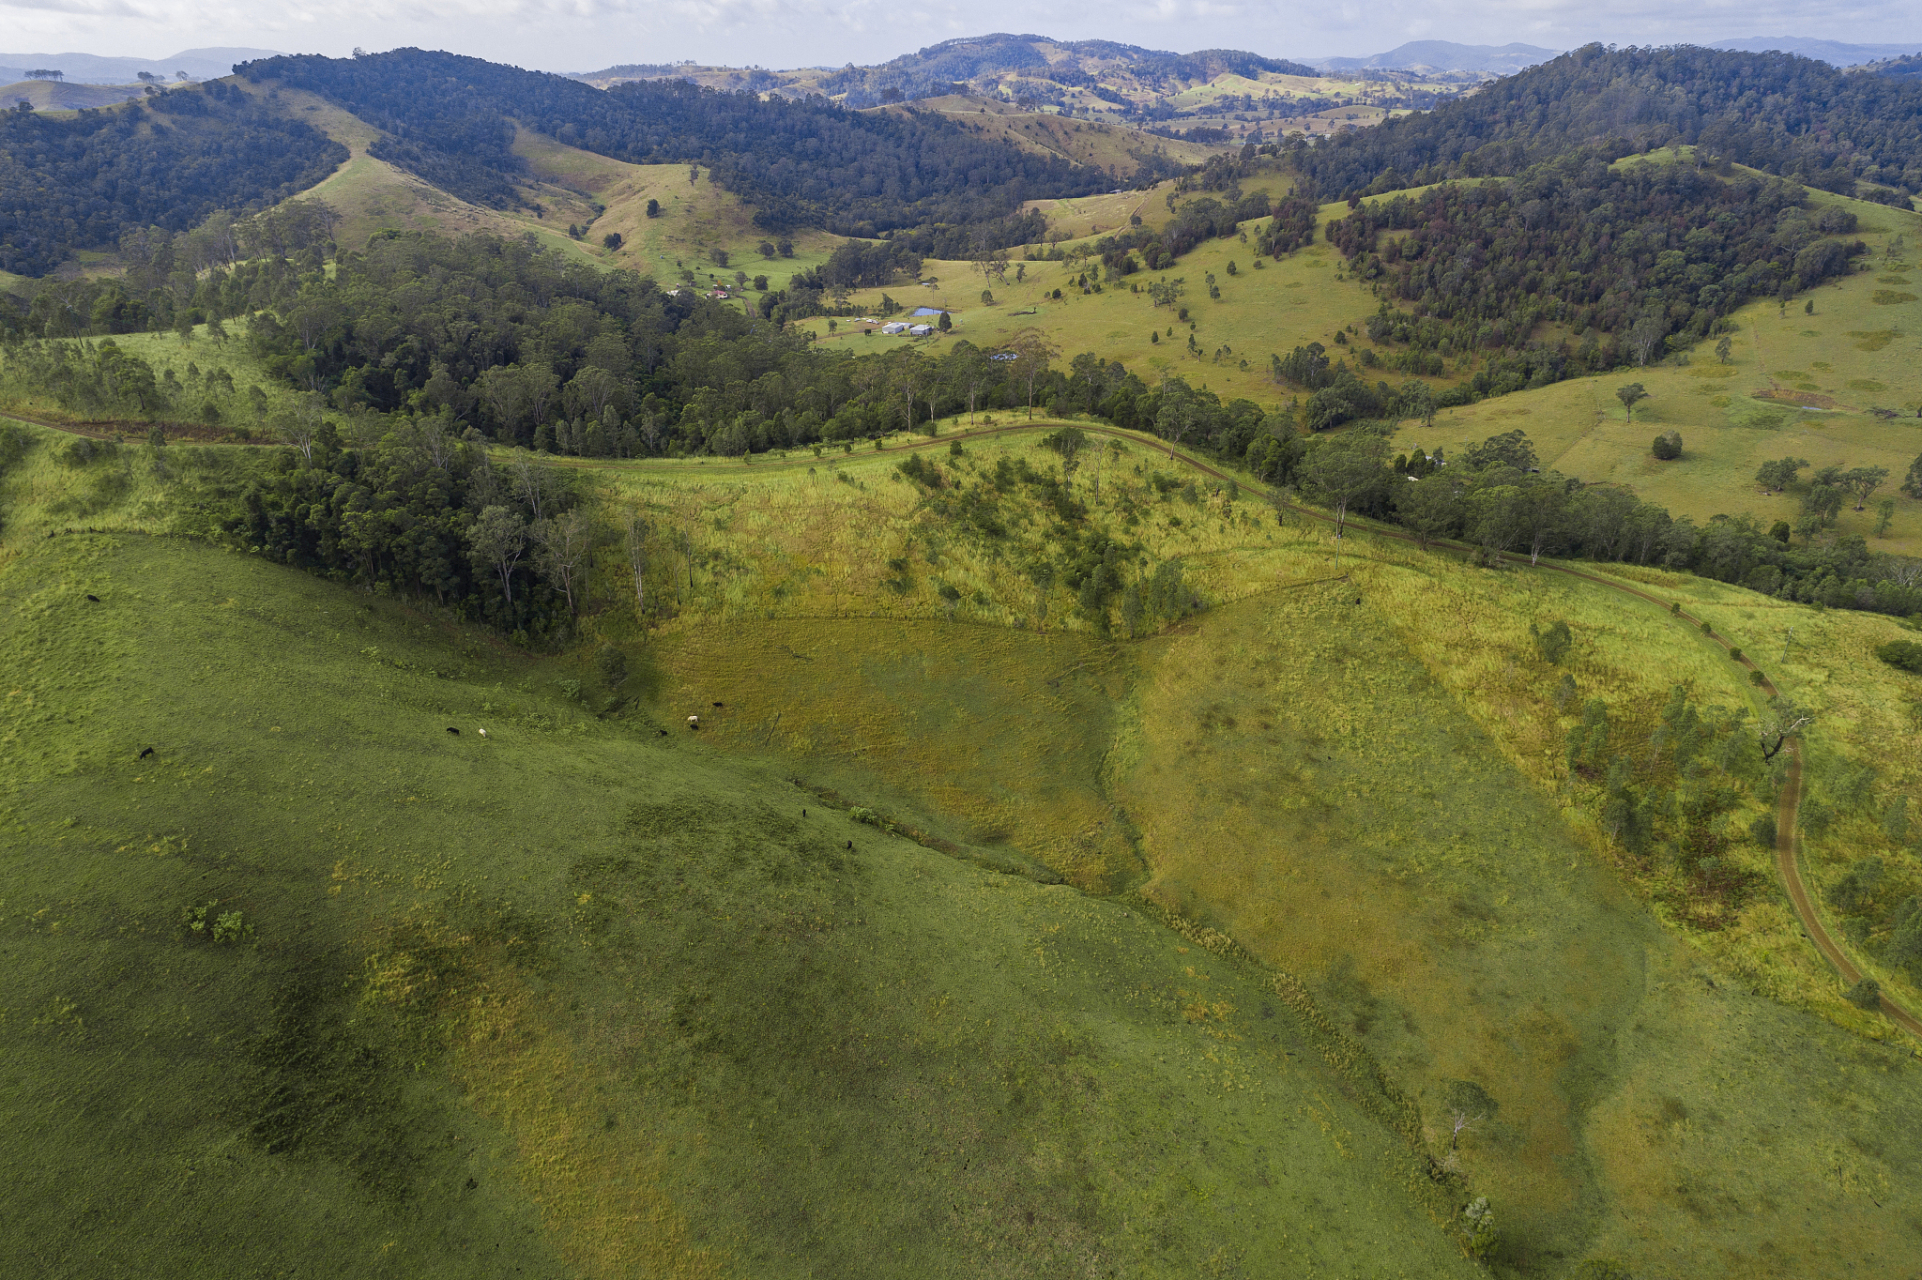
(637, 532)
(1775, 729)
(1462, 1122)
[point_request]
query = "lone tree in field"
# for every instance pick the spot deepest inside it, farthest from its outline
(1722, 349)
(1780, 474)
(1667, 446)
(653, 208)
(1631, 395)
(612, 240)
(1912, 482)
(1863, 482)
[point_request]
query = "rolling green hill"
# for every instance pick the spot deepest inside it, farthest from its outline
(601, 966)
(577, 998)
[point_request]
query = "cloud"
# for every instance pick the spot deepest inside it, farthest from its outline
(80, 8)
(586, 34)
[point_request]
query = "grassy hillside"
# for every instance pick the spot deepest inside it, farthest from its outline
(1263, 310)
(1353, 793)
(1105, 145)
(1796, 384)
(697, 217)
(194, 370)
(578, 998)
(54, 95)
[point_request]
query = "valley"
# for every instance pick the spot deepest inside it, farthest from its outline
(1303, 727)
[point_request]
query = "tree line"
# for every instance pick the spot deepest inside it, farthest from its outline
(492, 338)
(1495, 497)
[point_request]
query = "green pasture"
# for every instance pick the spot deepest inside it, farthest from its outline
(697, 218)
(580, 998)
(1100, 143)
(1796, 385)
(1359, 781)
(1263, 311)
(755, 549)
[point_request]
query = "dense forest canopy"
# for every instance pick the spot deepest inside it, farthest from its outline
(1790, 116)
(1634, 260)
(167, 161)
(799, 163)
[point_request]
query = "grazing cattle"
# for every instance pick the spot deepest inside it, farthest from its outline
(144, 753)
(662, 732)
(451, 729)
(804, 813)
(694, 722)
(850, 846)
(481, 732)
(720, 704)
(93, 597)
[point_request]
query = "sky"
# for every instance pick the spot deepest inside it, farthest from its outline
(585, 35)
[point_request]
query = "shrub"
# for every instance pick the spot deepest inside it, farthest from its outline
(1756, 678)
(1667, 446)
(1903, 654)
(1866, 994)
(1763, 830)
(612, 240)
(1552, 643)
(229, 927)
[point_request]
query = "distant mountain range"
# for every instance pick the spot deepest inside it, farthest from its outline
(1037, 68)
(1831, 51)
(1444, 55)
(90, 68)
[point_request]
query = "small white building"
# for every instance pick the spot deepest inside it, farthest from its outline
(894, 327)
(920, 330)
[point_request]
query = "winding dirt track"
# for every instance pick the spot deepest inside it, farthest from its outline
(1787, 840)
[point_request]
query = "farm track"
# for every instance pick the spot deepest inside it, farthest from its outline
(1787, 841)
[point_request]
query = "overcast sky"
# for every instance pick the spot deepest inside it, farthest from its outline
(583, 35)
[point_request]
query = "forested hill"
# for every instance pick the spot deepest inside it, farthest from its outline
(80, 182)
(972, 60)
(799, 163)
(1791, 116)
